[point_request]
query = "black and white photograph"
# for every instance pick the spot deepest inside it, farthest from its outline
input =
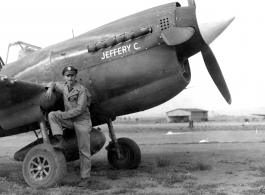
(132, 98)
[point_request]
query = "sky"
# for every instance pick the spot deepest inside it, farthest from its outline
(239, 49)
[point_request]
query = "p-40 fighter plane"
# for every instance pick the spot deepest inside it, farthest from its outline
(129, 65)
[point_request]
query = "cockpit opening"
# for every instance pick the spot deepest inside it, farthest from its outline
(24, 51)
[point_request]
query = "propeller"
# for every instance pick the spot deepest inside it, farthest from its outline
(215, 72)
(209, 32)
(1, 63)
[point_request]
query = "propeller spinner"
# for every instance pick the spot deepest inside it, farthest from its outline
(191, 3)
(210, 31)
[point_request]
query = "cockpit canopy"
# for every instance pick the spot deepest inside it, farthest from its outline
(24, 51)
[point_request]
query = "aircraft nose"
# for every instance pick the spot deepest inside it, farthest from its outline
(212, 25)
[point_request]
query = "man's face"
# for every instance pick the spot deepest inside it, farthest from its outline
(70, 78)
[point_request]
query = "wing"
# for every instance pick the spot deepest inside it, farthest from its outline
(21, 102)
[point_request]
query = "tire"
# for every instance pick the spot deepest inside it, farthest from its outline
(44, 167)
(131, 155)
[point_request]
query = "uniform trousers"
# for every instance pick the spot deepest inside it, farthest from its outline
(82, 130)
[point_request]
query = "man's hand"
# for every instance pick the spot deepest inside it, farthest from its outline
(60, 114)
(48, 94)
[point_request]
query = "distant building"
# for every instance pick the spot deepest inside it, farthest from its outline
(186, 114)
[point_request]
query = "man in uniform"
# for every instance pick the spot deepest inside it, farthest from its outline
(76, 116)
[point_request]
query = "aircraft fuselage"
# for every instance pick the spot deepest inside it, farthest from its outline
(127, 71)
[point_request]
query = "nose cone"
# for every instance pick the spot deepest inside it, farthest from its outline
(211, 25)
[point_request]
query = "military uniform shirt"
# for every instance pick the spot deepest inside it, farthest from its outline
(76, 102)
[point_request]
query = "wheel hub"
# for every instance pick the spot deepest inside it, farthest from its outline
(125, 156)
(39, 167)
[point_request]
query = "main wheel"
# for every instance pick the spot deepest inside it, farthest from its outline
(130, 155)
(44, 167)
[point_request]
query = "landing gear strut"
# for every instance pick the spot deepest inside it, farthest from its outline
(123, 153)
(113, 138)
(44, 167)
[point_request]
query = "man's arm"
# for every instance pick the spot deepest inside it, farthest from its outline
(53, 86)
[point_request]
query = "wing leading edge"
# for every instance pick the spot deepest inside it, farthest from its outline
(21, 102)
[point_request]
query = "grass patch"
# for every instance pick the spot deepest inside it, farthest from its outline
(199, 166)
(141, 184)
(152, 193)
(99, 186)
(68, 191)
(124, 191)
(171, 179)
(207, 186)
(189, 184)
(261, 190)
(163, 162)
(10, 188)
(202, 189)
(251, 192)
(258, 183)
(150, 169)
(261, 169)
(134, 185)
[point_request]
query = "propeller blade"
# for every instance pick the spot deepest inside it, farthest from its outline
(215, 72)
(177, 35)
(191, 3)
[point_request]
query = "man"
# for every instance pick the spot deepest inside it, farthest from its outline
(191, 123)
(76, 116)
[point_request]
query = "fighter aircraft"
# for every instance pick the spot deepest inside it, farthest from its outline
(129, 65)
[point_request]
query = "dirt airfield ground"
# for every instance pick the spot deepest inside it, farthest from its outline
(231, 163)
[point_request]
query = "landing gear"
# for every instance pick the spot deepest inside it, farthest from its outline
(130, 155)
(123, 153)
(44, 167)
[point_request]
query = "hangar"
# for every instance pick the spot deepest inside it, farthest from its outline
(186, 114)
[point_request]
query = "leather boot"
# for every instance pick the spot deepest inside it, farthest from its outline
(60, 144)
(84, 182)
